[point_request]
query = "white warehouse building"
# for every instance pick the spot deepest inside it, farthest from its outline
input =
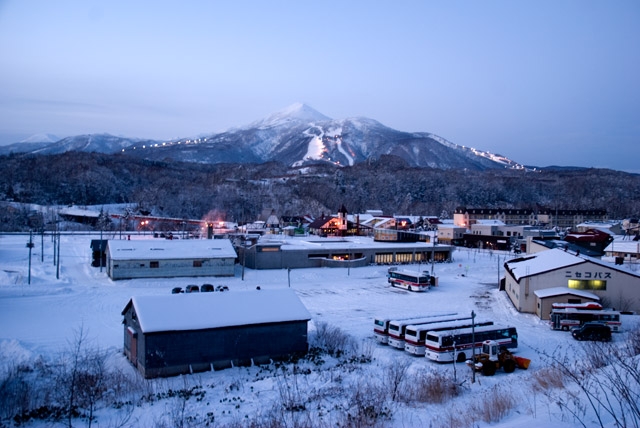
(169, 258)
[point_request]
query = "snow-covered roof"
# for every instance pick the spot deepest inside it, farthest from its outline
(488, 222)
(199, 311)
(346, 243)
(164, 249)
(599, 224)
(448, 225)
(79, 212)
(543, 261)
(559, 291)
(623, 246)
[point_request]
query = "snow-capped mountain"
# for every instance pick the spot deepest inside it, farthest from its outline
(296, 136)
(41, 138)
(30, 144)
(300, 135)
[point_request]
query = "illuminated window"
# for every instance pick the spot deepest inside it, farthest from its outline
(587, 284)
(385, 258)
(197, 263)
(404, 257)
(154, 264)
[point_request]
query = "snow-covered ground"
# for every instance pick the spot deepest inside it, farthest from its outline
(43, 317)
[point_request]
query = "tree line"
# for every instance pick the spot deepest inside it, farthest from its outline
(240, 192)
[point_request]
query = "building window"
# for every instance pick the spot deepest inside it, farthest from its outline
(385, 258)
(154, 264)
(197, 263)
(404, 258)
(587, 284)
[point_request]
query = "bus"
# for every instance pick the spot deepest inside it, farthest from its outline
(566, 318)
(582, 306)
(397, 328)
(415, 335)
(459, 344)
(381, 326)
(409, 280)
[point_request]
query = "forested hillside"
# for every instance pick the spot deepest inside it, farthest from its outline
(242, 191)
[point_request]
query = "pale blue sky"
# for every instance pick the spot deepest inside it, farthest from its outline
(544, 82)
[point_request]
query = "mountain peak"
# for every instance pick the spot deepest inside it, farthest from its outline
(297, 112)
(41, 138)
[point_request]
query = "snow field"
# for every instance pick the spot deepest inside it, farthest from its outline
(42, 318)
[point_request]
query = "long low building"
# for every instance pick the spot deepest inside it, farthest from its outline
(153, 258)
(312, 251)
(170, 334)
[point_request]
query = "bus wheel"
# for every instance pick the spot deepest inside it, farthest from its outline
(410, 289)
(565, 328)
(461, 358)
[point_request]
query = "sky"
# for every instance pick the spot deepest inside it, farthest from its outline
(543, 83)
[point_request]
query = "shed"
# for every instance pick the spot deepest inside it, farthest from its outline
(545, 298)
(169, 258)
(98, 247)
(166, 335)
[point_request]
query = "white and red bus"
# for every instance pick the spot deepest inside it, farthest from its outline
(415, 335)
(409, 280)
(458, 344)
(587, 305)
(567, 318)
(397, 328)
(381, 325)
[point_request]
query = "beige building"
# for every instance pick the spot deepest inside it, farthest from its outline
(448, 233)
(616, 286)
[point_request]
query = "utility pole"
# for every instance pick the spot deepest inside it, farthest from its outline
(243, 240)
(473, 349)
(101, 249)
(30, 246)
(499, 271)
(54, 236)
(58, 263)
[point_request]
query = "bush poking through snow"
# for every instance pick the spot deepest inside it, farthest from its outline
(333, 340)
(493, 406)
(431, 386)
(547, 378)
(606, 379)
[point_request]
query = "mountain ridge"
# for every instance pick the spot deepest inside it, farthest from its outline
(296, 136)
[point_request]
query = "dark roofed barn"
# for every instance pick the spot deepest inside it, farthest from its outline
(166, 335)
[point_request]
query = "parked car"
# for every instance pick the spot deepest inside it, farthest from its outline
(176, 290)
(592, 331)
(192, 289)
(207, 288)
(222, 288)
